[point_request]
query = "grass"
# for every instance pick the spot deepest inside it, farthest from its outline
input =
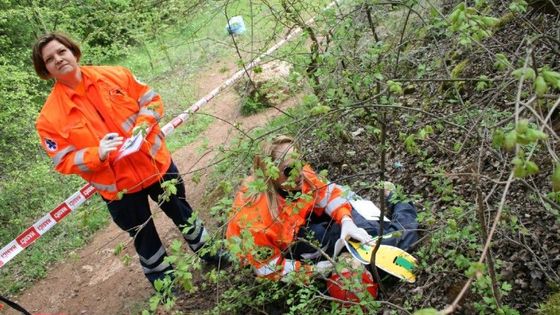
(195, 126)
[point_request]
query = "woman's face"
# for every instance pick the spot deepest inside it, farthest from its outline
(59, 60)
(286, 154)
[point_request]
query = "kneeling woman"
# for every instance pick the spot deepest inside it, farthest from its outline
(285, 217)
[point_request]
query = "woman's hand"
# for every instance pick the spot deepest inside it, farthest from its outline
(351, 230)
(109, 143)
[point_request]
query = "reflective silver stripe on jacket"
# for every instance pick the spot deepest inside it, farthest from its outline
(159, 268)
(62, 153)
(268, 269)
(79, 161)
(149, 112)
(146, 98)
(109, 188)
(154, 258)
(289, 266)
(347, 193)
(156, 146)
(334, 204)
(323, 203)
(129, 122)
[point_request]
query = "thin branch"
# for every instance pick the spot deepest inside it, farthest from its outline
(451, 308)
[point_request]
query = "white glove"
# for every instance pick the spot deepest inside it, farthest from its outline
(350, 230)
(323, 267)
(109, 143)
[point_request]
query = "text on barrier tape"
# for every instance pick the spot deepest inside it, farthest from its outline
(45, 223)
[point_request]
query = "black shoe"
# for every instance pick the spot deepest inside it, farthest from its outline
(221, 259)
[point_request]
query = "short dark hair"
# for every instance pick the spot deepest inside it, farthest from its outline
(42, 41)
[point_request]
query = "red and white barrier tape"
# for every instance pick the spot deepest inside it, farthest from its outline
(44, 224)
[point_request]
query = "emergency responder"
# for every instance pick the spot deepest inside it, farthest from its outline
(86, 117)
(284, 201)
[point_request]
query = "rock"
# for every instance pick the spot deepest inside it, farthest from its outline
(358, 132)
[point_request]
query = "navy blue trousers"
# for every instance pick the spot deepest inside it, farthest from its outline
(326, 231)
(132, 214)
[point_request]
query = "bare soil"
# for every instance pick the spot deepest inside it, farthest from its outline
(98, 282)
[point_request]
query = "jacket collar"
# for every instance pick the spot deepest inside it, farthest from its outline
(63, 93)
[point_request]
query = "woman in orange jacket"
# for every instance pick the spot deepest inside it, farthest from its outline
(285, 214)
(86, 117)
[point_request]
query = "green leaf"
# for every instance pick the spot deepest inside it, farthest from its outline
(158, 285)
(498, 139)
(517, 161)
(522, 126)
(118, 249)
(319, 109)
(535, 134)
(510, 140)
(518, 6)
(121, 194)
(482, 84)
(551, 77)
(410, 144)
(489, 21)
(454, 15)
(506, 287)
(531, 167)
(519, 171)
(527, 73)
(540, 85)
(395, 87)
(501, 62)
(475, 269)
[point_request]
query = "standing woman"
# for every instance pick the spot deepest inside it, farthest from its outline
(88, 113)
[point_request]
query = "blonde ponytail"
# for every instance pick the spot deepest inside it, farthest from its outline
(270, 150)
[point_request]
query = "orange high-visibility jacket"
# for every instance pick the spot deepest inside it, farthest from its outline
(70, 132)
(251, 223)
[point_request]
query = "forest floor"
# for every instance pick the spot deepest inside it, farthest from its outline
(98, 282)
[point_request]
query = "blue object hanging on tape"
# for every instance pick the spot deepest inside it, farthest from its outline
(236, 25)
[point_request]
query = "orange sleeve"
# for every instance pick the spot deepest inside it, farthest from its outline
(66, 157)
(328, 196)
(149, 102)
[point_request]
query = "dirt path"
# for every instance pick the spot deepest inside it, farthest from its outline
(97, 282)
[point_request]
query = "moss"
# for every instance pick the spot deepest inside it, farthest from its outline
(505, 19)
(551, 306)
(459, 68)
